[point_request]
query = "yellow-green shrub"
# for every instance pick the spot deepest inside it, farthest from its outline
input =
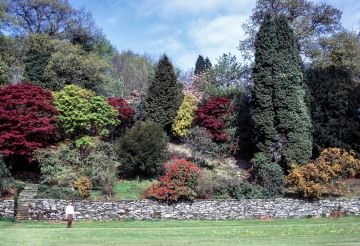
(321, 175)
(184, 117)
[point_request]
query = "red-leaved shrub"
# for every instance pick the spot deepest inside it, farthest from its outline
(178, 182)
(212, 116)
(26, 119)
(126, 113)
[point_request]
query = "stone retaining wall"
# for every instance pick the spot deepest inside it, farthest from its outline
(199, 209)
(7, 208)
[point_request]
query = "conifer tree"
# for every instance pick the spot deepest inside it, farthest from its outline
(281, 121)
(36, 59)
(200, 65)
(263, 112)
(184, 117)
(35, 64)
(334, 101)
(268, 173)
(165, 95)
(294, 140)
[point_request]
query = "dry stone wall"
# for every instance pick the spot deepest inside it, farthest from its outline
(7, 208)
(49, 209)
(198, 209)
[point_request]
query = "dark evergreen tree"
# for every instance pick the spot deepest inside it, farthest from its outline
(267, 172)
(165, 95)
(281, 121)
(334, 101)
(263, 110)
(200, 65)
(37, 58)
(143, 149)
(294, 140)
(35, 63)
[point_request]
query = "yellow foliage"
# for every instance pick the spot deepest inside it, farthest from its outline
(320, 176)
(184, 117)
(83, 185)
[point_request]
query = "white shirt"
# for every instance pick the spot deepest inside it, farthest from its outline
(69, 209)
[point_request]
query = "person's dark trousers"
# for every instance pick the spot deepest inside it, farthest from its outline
(70, 220)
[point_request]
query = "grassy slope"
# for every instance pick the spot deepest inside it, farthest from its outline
(345, 231)
(126, 189)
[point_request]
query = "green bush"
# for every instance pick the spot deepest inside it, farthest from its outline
(268, 174)
(199, 141)
(245, 190)
(82, 112)
(226, 188)
(143, 149)
(102, 166)
(63, 165)
(56, 167)
(55, 192)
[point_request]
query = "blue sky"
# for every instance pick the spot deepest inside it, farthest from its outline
(183, 29)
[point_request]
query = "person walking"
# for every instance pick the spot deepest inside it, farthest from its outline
(70, 214)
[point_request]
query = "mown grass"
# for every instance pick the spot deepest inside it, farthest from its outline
(345, 231)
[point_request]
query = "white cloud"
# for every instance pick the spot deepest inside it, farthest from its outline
(186, 60)
(181, 55)
(221, 35)
(168, 45)
(209, 37)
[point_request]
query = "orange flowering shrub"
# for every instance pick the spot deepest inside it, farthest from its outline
(320, 176)
(83, 185)
(178, 182)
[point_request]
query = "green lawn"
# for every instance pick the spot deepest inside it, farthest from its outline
(345, 231)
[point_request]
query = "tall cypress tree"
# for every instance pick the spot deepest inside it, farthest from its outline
(268, 173)
(263, 110)
(165, 95)
(281, 121)
(294, 139)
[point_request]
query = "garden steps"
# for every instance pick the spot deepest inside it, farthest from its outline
(29, 192)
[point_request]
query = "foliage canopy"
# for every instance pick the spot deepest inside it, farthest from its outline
(83, 113)
(27, 119)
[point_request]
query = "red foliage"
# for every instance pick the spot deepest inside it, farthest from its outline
(126, 113)
(178, 183)
(212, 116)
(26, 119)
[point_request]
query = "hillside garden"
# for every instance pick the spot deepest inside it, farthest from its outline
(88, 122)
